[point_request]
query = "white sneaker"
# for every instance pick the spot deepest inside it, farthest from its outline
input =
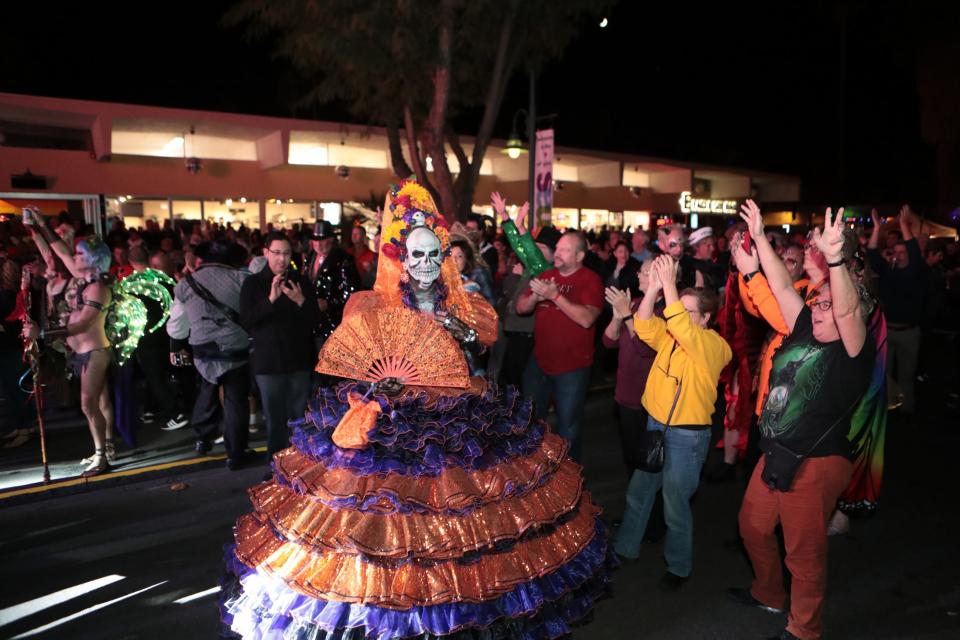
(179, 422)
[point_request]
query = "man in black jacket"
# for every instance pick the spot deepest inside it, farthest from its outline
(332, 276)
(279, 310)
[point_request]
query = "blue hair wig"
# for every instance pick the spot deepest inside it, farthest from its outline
(98, 253)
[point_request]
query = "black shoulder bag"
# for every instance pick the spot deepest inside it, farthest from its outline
(781, 463)
(652, 444)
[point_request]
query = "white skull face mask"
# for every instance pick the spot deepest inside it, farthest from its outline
(423, 256)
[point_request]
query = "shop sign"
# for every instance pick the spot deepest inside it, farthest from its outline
(691, 204)
(543, 186)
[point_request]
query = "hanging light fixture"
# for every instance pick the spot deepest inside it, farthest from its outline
(193, 163)
(514, 147)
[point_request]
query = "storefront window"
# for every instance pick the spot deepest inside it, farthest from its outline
(633, 220)
(594, 219)
(564, 218)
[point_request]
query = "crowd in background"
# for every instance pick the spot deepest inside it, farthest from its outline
(692, 325)
(919, 284)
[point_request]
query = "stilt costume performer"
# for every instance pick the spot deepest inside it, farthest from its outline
(416, 501)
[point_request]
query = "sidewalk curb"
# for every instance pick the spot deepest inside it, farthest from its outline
(70, 486)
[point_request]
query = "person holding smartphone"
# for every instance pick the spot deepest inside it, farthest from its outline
(279, 310)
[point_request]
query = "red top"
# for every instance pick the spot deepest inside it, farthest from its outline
(363, 260)
(560, 344)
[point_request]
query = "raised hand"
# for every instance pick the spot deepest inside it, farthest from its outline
(750, 213)
(830, 240)
(500, 206)
(619, 301)
(521, 218)
(875, 218)
(746, 262)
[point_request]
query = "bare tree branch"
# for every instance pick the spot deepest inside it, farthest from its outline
(419, 167)
(453, 139)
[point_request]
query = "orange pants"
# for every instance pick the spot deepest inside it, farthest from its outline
(804, 512)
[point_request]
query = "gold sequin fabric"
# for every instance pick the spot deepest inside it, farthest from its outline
(397, 342)
(399, 541)
(454, 490)
(348, 577)
(421, 535)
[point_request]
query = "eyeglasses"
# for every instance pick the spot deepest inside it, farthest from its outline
(823, 305)
(282, 254)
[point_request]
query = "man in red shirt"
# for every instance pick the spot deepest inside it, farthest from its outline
(566, 301)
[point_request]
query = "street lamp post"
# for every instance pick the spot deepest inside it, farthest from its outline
(532, 160)
(515, 147)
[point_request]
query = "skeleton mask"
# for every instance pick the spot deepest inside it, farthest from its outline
(423, 256)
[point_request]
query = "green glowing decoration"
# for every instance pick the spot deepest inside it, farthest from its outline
(127, 315)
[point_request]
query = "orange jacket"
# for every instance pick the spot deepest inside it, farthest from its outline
(759, 302)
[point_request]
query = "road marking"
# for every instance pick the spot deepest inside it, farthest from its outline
(115, 474)
(30, 607)
(78, 614)
(197, 596)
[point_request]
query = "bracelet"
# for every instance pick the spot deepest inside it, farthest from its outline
(837, 264)
(554, 301)
(750, 275)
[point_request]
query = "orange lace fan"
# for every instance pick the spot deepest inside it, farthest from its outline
(394, 343)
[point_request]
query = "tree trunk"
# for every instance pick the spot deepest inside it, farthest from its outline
(399, 164)
(432, 135)
(503, 68)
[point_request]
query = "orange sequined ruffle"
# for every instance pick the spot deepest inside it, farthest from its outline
(348, 578)
(434, 536)
(454, 489)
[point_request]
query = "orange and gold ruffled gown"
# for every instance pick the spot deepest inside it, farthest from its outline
(443, 511)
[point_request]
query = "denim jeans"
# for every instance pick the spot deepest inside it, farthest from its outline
(685, 452)
(284, 397)
(569, 391)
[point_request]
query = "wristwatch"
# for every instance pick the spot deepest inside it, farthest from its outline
(748, 276)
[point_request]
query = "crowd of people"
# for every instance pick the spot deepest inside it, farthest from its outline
(792, 346)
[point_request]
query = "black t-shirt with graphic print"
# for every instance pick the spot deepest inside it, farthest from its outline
(814, 385)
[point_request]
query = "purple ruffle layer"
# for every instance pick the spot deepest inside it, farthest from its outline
(264, 607)
(468, 431)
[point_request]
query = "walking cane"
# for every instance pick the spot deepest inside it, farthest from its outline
(31, 355)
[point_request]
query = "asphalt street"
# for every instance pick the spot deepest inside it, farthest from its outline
(138, 548)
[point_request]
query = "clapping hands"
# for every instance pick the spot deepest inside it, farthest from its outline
(619, 301)
(664, 271)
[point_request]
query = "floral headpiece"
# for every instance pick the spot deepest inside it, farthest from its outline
(411, 206)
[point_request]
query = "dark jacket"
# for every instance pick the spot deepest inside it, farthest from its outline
(282, 332)
(902, 291)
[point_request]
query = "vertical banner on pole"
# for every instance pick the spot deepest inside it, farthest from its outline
(543, 186)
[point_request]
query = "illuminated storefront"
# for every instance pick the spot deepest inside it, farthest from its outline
(141, 163)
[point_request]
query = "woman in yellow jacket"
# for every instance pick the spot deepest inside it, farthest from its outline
(680, 395)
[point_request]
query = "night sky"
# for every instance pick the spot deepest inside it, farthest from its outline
(823, 90)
